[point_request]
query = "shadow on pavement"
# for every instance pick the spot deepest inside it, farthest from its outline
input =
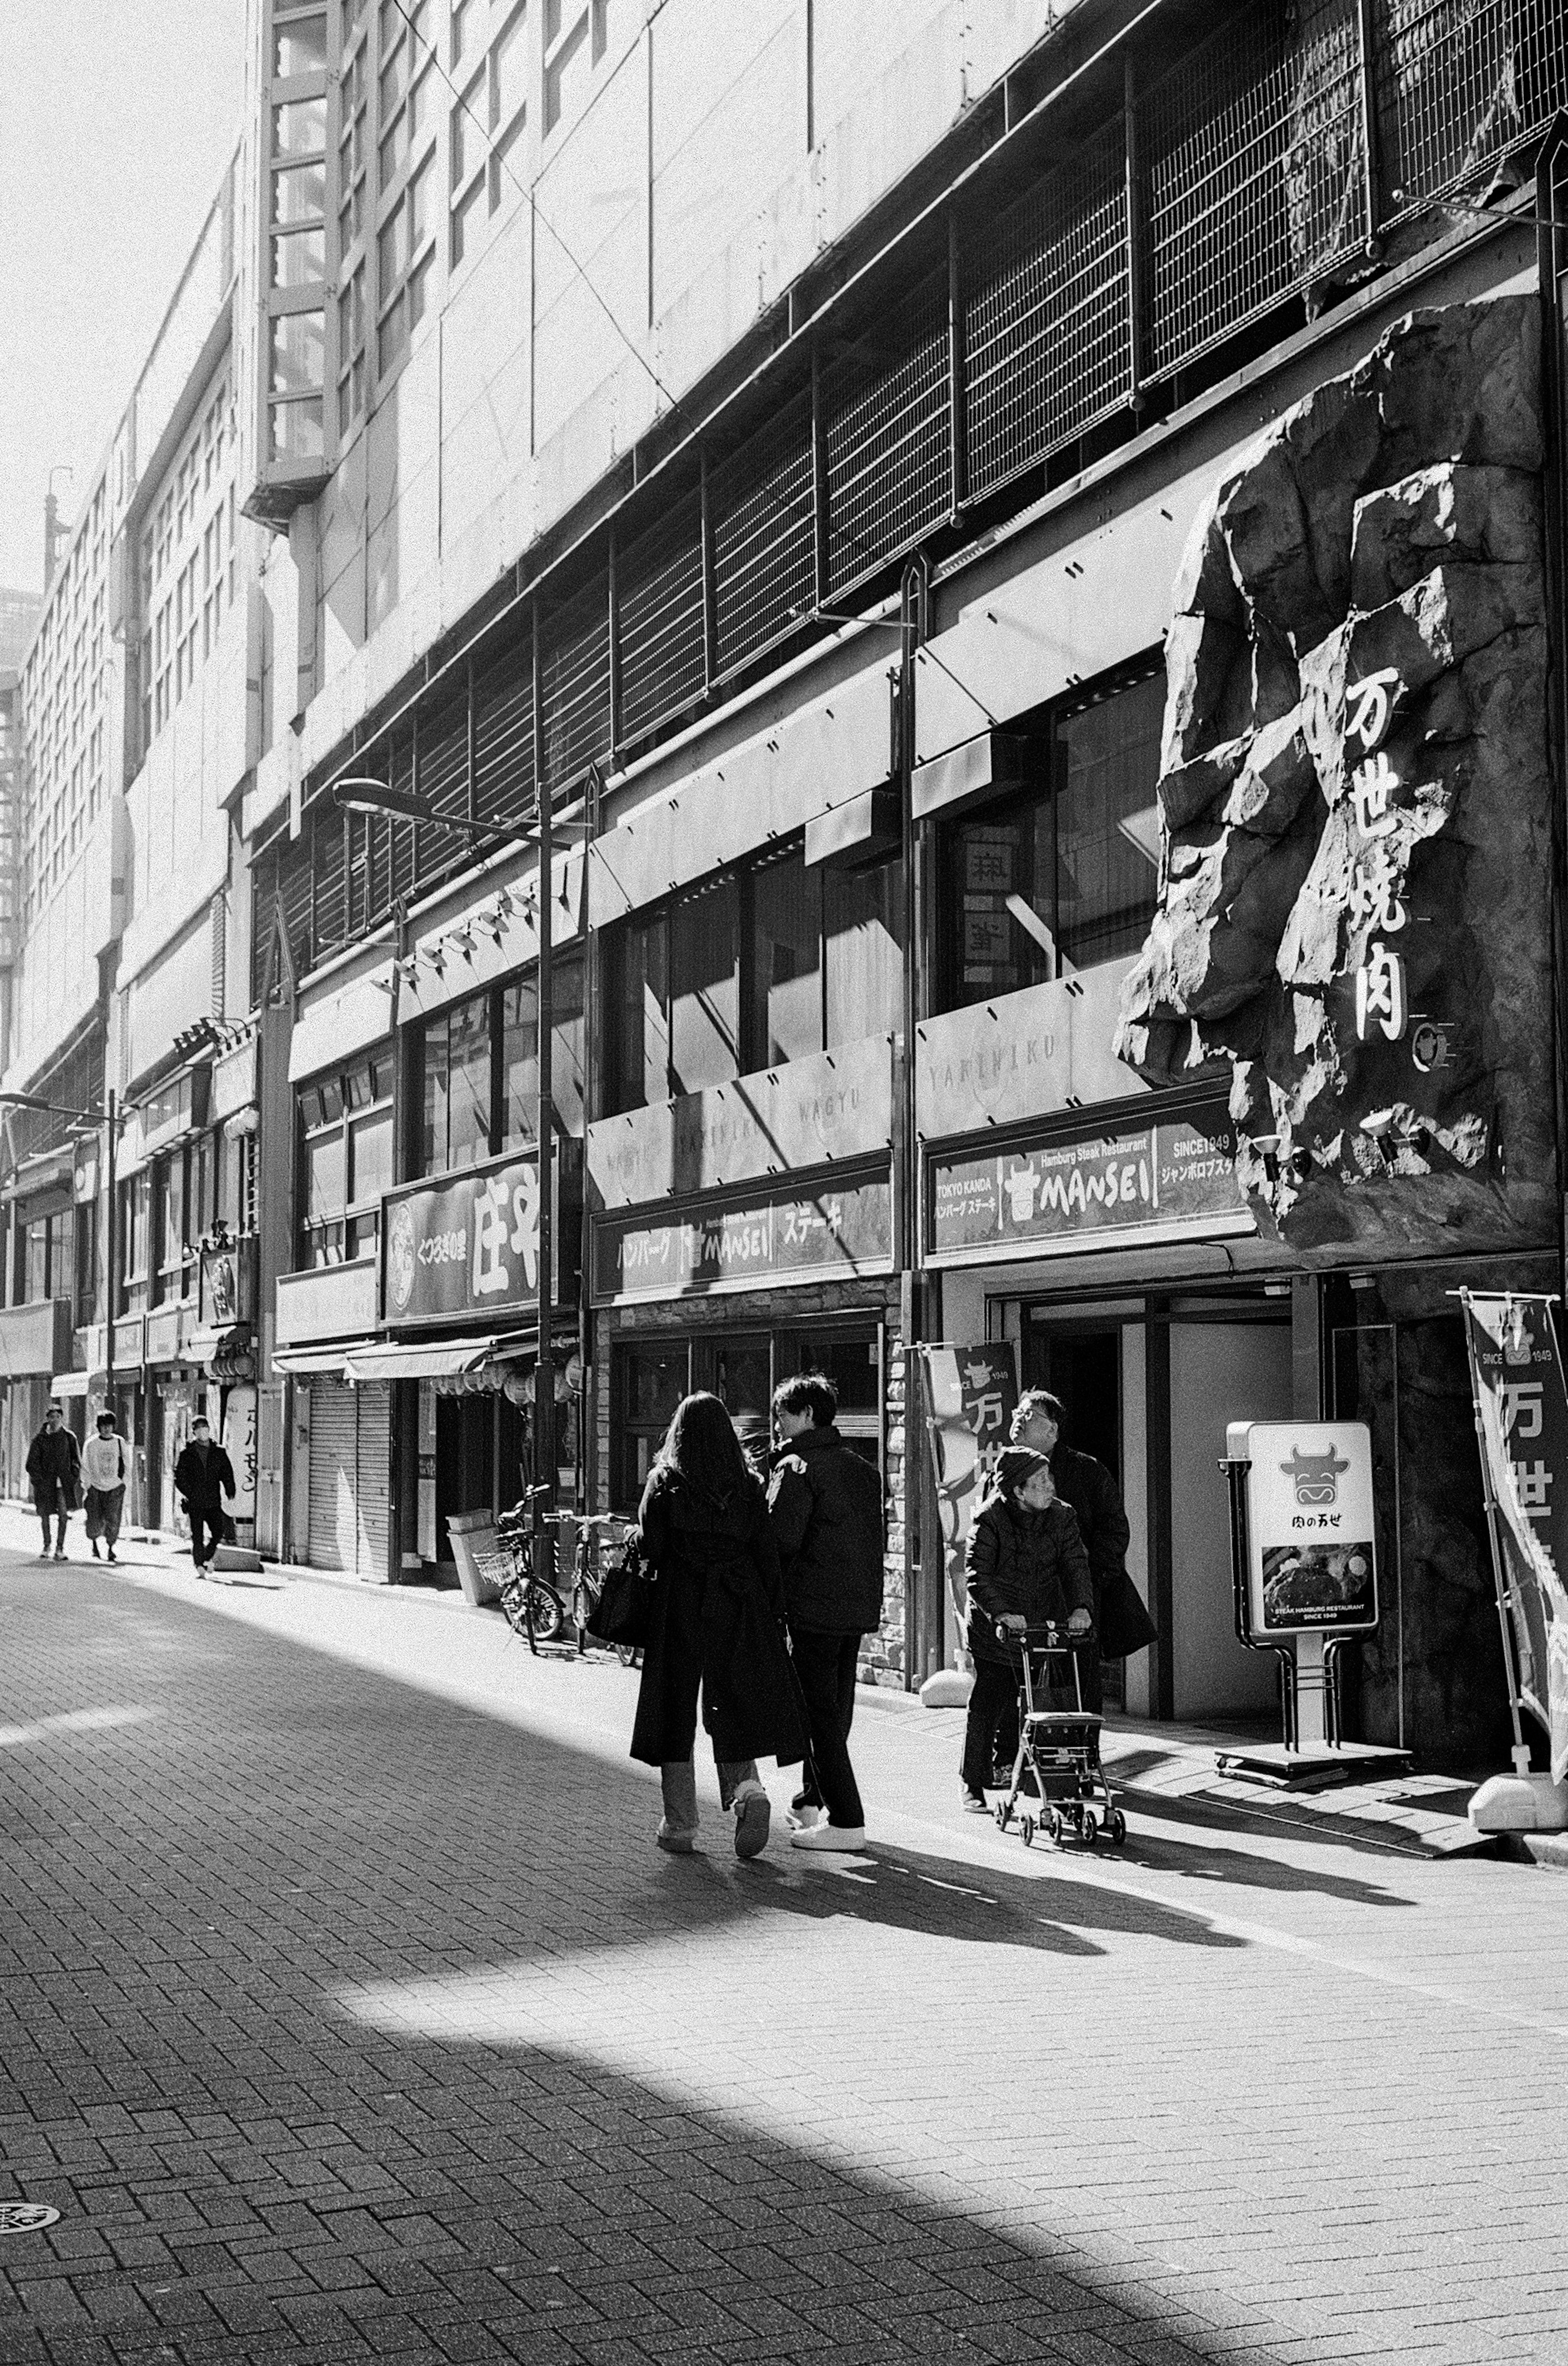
(250, 2168)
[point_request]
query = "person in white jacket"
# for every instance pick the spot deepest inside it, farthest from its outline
(105, 1462)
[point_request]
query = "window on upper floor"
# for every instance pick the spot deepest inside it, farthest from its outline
(1058, 876)
(346, 1160)
(476, 1069)
(775, 962)
(576, 36)
(405, 241)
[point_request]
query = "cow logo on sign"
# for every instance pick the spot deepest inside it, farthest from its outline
(1316, 1476)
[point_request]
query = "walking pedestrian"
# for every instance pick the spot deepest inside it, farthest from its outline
(716, 1628)
(824, 1505)
(203, 1476)
(54, 1465)
(1122, 1624)
(104, 1466)
(1026, 1566)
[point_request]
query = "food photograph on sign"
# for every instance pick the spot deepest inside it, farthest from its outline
(1311, 1527)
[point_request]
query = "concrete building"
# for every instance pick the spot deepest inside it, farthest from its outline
(946, 506)
(138, 717)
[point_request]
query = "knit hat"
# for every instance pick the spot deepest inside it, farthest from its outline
(1016, 1465)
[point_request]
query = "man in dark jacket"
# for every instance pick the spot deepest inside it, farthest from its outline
(825, 1506)
(203, 1476)
(54, 1467)
(1092, 1493)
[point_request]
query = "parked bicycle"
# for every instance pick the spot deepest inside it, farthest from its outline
(541, 1608)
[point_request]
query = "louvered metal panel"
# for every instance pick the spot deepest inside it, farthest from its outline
(333, 1526)
(329, 916)
(503, 704)
(888, 437)
(372, 1460)
(1047, 343)
(764, 538)
(264, 906)
(575, 685)
(295, 886)
(659, 587)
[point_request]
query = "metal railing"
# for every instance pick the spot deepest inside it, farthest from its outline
(1213, 191)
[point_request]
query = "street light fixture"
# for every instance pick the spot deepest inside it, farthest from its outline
(365, 795)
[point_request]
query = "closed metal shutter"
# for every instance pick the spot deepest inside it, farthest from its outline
(333, 1529)
(374, 1490)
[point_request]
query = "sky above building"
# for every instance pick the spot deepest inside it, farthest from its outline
(115, 123)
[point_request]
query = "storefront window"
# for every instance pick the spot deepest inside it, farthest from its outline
(135, 1239)
(742, 1370)
(1063, 877)
(346, 1161)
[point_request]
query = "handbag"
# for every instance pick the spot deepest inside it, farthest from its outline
(624, 1615)
(1126, 1626)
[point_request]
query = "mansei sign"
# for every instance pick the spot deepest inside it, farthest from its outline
(1311, 1557)
(1063, 1192)
(462, 1247)
(840, 1228)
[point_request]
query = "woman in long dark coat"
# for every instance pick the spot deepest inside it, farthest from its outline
(717, 1607)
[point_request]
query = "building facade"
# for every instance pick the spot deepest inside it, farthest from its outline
(1019, 550)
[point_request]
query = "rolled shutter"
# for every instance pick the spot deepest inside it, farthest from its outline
(374, 1461)
(333, 1535)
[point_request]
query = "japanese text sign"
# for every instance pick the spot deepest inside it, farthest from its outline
(1515, 1367)
(1312, 1561)
(1142, 1175)
(846, 1228)
(970, 1396)
(466, 1244)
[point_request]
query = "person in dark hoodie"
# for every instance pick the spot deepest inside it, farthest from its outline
(1026, 1566)
(824, 1505)
(716, 1611)
(54, 1467)
(203, 1476)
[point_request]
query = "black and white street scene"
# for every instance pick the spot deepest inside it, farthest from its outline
(784, 1183)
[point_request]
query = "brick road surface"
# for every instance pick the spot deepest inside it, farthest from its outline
(347, 2010)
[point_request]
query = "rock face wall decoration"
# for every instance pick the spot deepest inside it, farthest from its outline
(1354, 901)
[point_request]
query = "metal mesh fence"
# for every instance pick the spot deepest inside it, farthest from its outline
(1253, 180)
(1459, 83)
(764, 538)
(1047, 346)
(888, 432)
(662, 656)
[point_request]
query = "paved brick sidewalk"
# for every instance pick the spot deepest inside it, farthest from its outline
(345, 2010)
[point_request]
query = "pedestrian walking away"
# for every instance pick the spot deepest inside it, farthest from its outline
(54, 1468)
(825, 1507)
(1026, 1565)
(104, 1464)
(203, 1476)
(716, 1630)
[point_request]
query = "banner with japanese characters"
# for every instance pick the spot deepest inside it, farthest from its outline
(970, 1396)
(848, 1229)
(463, 1245)
(1521, 1403)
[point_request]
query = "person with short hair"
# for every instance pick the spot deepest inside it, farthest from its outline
(826, 1508)
(203, 1476)
(105, 1465)
(1026, 1566)
(54, 1465)
(1096, 1502)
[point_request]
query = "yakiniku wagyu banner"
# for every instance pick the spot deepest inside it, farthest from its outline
(1521, 1403)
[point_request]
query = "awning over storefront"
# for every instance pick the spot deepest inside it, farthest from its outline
(434, 1359)
(323, 1358)
(70, 1384)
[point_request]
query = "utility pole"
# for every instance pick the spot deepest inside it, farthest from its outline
(914, 595)
(544, 1497)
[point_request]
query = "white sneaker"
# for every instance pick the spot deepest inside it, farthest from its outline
(846, 1840)
(803, 1819)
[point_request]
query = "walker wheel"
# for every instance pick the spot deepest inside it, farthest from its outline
(1089, 1830)
(1002, 1811)
(1056, 1827)
(1026, 1829)
(1117, 1828)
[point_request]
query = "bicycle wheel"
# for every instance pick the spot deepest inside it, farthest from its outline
(544, 1612)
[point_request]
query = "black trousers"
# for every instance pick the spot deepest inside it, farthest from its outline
(211, 1521)
(990, 1729)
(825, 1667)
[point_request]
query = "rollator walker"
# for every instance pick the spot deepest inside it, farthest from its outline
(1058, 1752)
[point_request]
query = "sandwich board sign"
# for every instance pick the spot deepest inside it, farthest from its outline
(1312, 1561)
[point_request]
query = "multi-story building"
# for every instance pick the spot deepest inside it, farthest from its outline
(139, 714)
(1018, 549)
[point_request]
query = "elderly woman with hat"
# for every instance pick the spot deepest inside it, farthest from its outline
(1026, 1566)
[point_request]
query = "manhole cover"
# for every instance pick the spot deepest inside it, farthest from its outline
(26, 2217)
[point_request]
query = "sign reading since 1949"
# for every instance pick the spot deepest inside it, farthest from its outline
(1170, 1172)
(1312, 1561)
(467, 1245)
